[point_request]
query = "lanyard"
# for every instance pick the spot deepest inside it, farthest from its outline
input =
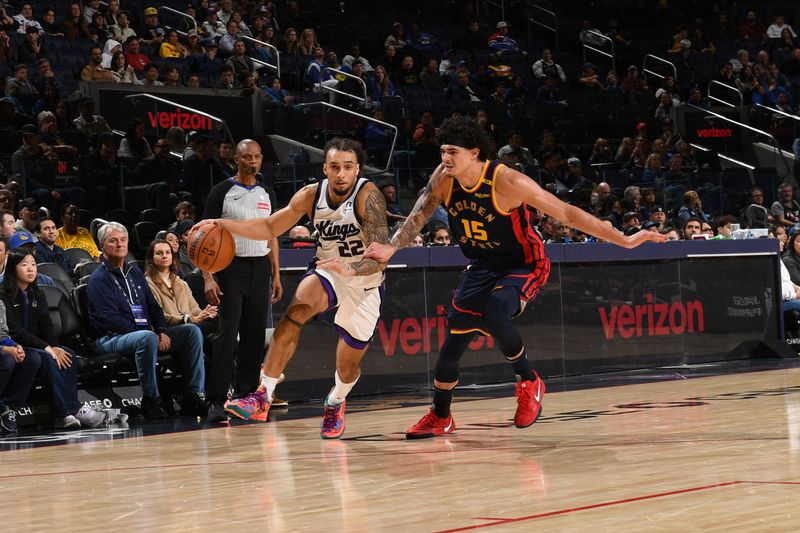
(131, 296)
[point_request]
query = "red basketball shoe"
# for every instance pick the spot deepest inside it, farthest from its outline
(332, 425)
(252, 405)
(529, 402)
(431, 425)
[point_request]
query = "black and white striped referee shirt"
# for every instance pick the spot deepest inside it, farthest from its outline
(232, 200)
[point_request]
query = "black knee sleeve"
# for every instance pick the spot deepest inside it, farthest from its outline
(500, 307)
(450, 356)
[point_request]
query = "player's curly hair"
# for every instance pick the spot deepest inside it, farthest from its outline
(344, 144)
(466, 133)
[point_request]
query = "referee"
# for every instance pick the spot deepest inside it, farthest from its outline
(242, 291)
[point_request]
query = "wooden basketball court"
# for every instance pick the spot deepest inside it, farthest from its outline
(719, 453)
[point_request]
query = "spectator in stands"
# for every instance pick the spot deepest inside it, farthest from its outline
(151, 74)
(193, 81)
(355, 53)
(407, 75)
(701, 43)
(658, 216)
(726, 75)
(653, 172)
(226, 79)
(99, 29)
(183, 211)
(33, 162)
(100, 174)
(692, 226)
(239, 61)
(31, 49)
(158, 167)
(429, 77)
(25, 19)
(201, 171)
(209, 65)
(45, 76)
(756, 215)
(94, 70)
(225, 11)
(182, 230)
(588, 78)
(775, 30)
(313, 74)
(787, 42)
(500, 41)
(692, 208)
(109, 49)
(128, 320)
(792, 66)
(89, 123)
(49, 26)
(785, 209)
(21, 88)
(631, 219)
(227, 41)
(30, 326)
(547, 67)
(225, 156)
(397, 38)
(741, 60)
(274, 91)
(602, 153)
(71, 235)
(394, 212)
(172, 48)
(750, 28)
(791, 258)
(7, 226)
(174, 295)
(551, 176)
(28, 214)
(390, 60)
(515, 154)
(121, 70)
(697, 99)
(307, 42)
(440, 236)
(289, 45)
(133, 54)
(574, 178)
(122, 30)
(89, 10)
(134, 144)
(746, 83)
(47, 251)
(550, 94)
(213, 27)
(6, 204)
(192, 46)
(152, 32)
(381, 86)
(74, 26)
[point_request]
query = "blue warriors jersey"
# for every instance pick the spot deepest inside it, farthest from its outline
(485, 233)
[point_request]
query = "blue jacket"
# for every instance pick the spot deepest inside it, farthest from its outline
(109, 294)
(45, 255)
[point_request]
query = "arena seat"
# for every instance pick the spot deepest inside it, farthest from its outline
(61, 278)
(78, 255)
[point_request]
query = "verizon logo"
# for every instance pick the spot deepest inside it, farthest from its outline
(179, 119)
(652, 319)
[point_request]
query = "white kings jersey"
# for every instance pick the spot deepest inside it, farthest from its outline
(340, 233)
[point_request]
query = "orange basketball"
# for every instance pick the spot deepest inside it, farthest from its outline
(211, 248)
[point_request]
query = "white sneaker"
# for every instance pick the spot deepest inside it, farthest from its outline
(67, 422)
(90, 418)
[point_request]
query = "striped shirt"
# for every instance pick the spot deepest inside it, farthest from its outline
(232, 200)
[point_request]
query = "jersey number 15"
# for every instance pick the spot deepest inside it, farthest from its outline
(474, 230)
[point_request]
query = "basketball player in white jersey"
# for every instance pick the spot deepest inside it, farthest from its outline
(349, 214)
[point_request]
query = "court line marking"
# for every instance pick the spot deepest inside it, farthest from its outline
(503, 521)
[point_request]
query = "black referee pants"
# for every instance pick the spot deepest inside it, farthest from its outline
(246, 287)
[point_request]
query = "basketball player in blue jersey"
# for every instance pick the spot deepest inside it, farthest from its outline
(488, 209)
(349, 214)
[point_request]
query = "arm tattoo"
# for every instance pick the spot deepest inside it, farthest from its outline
(376, 230)
(423, 209)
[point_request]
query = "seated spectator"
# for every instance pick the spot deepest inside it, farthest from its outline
(151, 73)
(71, 235)
(381, 86)
(355, 54)
(692, 208)
(397, 38)
(128, 320)
(546, 67)
(152, 32)
(421, 41)
(775, 30)
(28, 214)
(390, 60)
(307, 42)
(100, 175)
(182, 231)
(239, 61)
(121, 70)
(33, 160)
(88, 123)
(300, 238)
(32, 49)
(791, 258)
(394, 212)
(201, 171)
(756, 215)
(500, 41)
(21, 88)
(653, 173)
(226, 79)
(289, 44)
(462, 94)
(792, 66)
(440, 236)
(159, 167)
(95, 71)
(785, 209)
(213, 27)
(429, 77)
(274, 91)
(133, 54)
(227, 41)
(7, 225)
(99, 29)
(658, 216)
(588, 78)
(30, 326)
(7, 202)
(17, 371)
(515, 154)
(47, 251)
(750, 28)
(601, 152)
(134, 144)
(692, 226)
(46, 76)
(172, 48)
(25, 19)
(174, 295)
(701, 43)
(550, 94)
(183, 211)
(122, 30)
(574, 177)
(226, 158)
(406, 76)
(631, 219)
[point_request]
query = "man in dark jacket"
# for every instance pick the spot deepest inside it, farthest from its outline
(127, 319)
(47, 251)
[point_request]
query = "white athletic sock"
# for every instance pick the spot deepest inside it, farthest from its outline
(269, 384)
(340, 390)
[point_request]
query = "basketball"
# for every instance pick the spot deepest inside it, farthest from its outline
(211, 248)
